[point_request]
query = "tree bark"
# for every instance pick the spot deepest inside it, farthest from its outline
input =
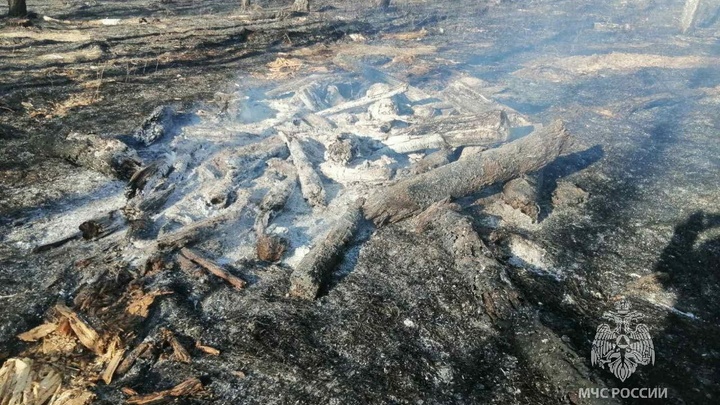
(17, 8)
(465, 177)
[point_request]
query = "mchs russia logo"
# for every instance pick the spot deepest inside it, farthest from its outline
(622, 348)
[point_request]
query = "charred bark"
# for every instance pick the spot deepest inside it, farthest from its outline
(465, 177)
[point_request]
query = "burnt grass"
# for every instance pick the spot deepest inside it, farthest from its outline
(405, 325)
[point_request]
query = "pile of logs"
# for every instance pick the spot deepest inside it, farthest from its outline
(395, 145)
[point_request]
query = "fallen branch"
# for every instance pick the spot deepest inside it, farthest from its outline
(465, 177)
(313, 270)
(310, 183)
(213, 268)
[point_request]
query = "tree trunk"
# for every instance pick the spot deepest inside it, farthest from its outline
(17, 8)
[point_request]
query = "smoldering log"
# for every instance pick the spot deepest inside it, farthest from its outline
(312, 272)
(465, 177)
(213, 268)
(310, 182)
(363, 101)
(453, 131)
(105, 155)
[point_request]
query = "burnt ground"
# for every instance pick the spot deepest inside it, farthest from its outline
(405, 326)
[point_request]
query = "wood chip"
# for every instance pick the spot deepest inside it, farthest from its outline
(207, 349)
(188, 387)
(38, 332)
(84, 332)
(140, 306)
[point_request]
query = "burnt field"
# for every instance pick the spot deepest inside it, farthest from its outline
(426, 204)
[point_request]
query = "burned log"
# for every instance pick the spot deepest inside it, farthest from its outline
(312, 272)
(465, 177)
(363, 101)
(310, 182)
(155, 126)
(197, 230)
(433, 161)
(213, 268)
(188, 387)
(522, 194)
(467, 96)
(301, 6)
(453, 131)
(105, 155)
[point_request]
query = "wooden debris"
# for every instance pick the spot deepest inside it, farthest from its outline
(38, 332)
(105, 155)
(179, 352)
(366, 173)
(465, 177)
(188, 387)
(302, 6)
(340, 151)
(270, 147)
(363, 101)
(155, 126)
(57, 243)
(213, 268)
(197, 230)
(270, 248)
(84, 332)
(114, 355)
(101, 226)
(207, 349)
(318, 122)
(24, 381)
(467, 95)
(312, 272)
(311, 96)
(432, 161)
(452, 132)
(140, 304)
(522, 194)
(131, 357)
(310, 183)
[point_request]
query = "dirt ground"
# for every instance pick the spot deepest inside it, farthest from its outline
(406, 318)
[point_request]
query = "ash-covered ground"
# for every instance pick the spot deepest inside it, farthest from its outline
(476, 303)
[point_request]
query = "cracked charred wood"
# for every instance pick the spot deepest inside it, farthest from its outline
(270, 248)
(317, 121)
(467, 96)
(465, 177)
(197, 230)
(363, 101)
(188, 387)
(311, 96)
(277, 196)
(434, 160)
(57, 243)
(310, 182)
(108, 156)
(313, 271)
(453, 132)
(270, 147)
(213, 268)
(155, 126)
(102, 226)
(522, 194)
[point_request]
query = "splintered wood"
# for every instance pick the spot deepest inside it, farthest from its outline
(188, 387)
(213, 268)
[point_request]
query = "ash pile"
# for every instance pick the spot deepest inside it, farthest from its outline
(332, 239)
